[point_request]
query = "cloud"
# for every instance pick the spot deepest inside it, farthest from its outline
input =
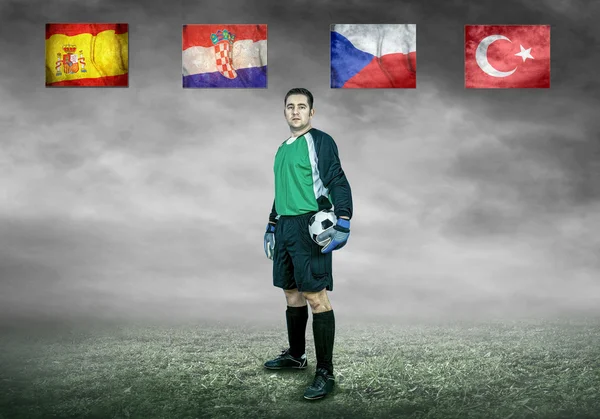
(153, 199)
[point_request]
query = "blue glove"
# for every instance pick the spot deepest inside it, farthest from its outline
(269, 241)
(338, 236)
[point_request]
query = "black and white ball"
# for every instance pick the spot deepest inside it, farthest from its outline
(320, 222)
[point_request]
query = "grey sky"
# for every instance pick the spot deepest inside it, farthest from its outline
(152, 200)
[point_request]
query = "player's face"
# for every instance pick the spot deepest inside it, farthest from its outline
(297, 114)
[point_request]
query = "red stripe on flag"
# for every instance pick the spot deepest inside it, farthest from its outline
(115, 81)
(391, 71)
(72, 29)
(199, 35)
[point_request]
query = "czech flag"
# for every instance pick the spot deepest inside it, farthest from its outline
(225, 56)
(507, 56)
(373, 56)
(87, 54)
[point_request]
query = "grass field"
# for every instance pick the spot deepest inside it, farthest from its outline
(533, 369)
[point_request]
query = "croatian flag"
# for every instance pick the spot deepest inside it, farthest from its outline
(373, 56)
(225, 56)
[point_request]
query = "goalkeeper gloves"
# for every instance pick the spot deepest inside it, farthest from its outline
(269, 241)
(337, 236)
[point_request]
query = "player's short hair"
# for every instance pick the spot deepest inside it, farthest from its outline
(300, 91)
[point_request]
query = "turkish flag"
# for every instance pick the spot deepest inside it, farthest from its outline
(510, 56)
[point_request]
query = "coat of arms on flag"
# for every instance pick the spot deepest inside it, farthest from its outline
(69, 62)
(224, 56)
(87, 54)
(509, 56)
(223, 41)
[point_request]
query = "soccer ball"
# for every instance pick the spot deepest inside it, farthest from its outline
(320, 222)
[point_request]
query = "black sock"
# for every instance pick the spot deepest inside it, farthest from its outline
(324, 333)
(296, 318)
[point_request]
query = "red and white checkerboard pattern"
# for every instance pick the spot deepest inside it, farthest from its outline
(223, 57)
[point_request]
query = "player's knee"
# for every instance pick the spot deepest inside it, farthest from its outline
(318, 301)
(315, 305)
(294, 298)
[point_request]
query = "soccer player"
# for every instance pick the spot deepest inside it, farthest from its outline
(308, 178)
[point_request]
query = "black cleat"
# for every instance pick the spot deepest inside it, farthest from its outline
(321, 386)
(286, 361)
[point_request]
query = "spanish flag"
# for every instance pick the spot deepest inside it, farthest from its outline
(87, 54)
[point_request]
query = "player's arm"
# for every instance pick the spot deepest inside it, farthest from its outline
(269, 239)
(273, 215)
(334, 179)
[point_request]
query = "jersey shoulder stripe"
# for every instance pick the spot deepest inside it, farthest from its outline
(318, 187)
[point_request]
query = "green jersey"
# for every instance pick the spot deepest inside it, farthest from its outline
(297, 184)
(307, 169)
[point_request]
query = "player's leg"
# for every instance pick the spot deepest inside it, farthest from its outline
(296, 316)
(313, 274)
(324, 335)
(297, 310)
(314, 289)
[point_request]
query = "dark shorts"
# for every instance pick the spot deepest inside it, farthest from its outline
(297, 259)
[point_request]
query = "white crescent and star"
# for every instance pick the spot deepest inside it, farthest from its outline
(484, 64)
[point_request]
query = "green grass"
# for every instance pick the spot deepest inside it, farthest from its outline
(496, 370)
